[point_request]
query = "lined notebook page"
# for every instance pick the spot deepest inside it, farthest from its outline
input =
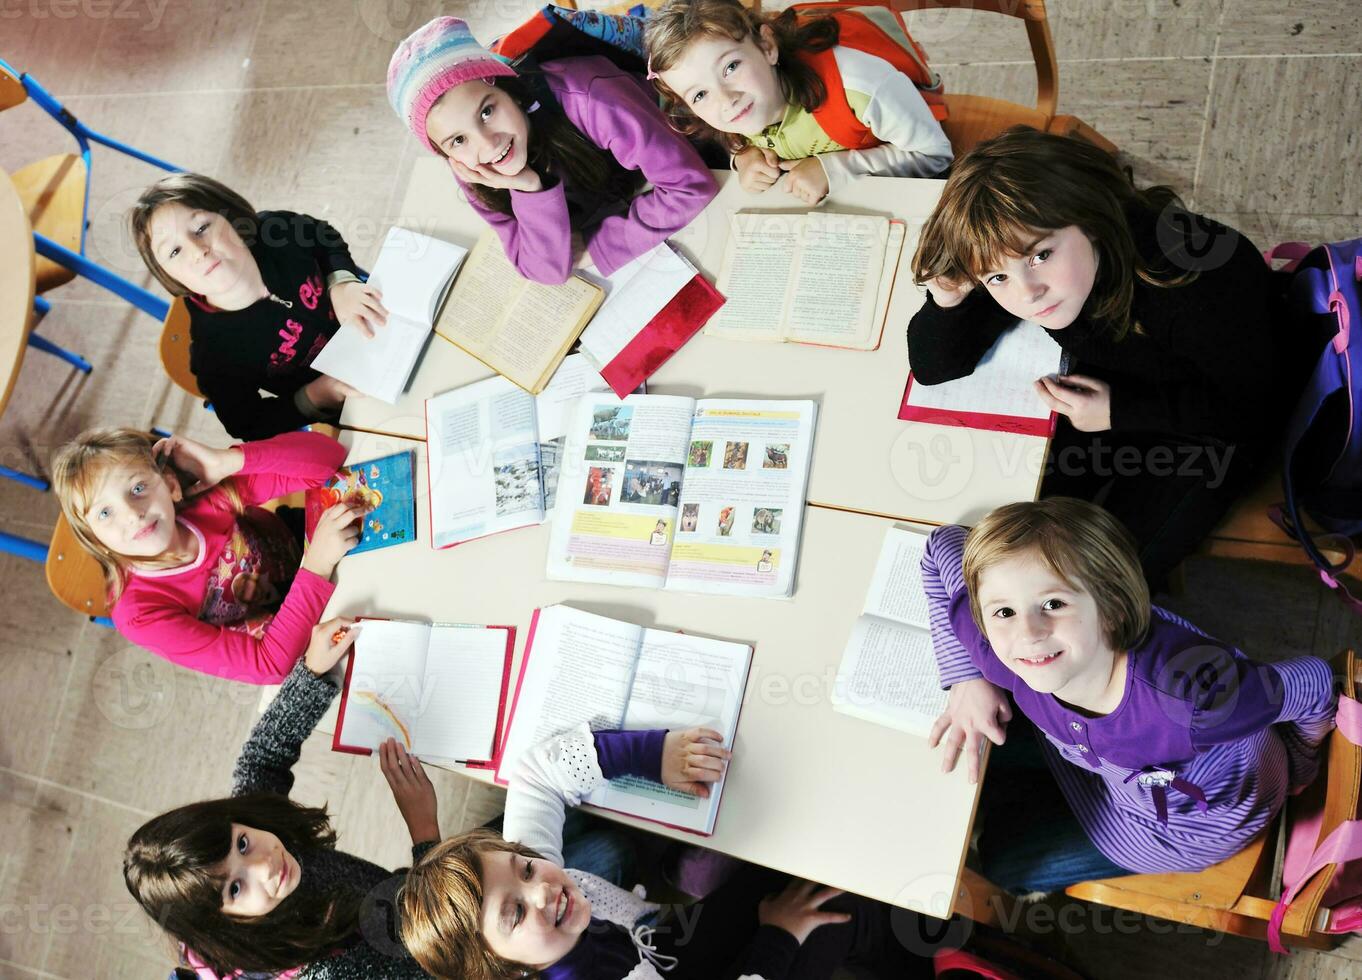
(461, 693)
(1003, 382)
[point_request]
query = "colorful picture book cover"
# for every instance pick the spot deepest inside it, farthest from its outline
(386, 487)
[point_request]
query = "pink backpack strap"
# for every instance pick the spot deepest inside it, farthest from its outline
(1290, 252)
(1340, 847)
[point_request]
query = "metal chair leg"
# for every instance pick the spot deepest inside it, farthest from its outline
(149, 303)
(12, 544)
(75, 360)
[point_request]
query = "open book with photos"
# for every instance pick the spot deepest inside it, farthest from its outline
(494, 451)
(698, 495)
(810, 278)
(888, 673)
(583, 668)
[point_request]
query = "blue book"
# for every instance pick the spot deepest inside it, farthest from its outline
(386, 487)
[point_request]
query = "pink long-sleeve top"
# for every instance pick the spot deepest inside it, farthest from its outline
(243, 608)
(614, 111)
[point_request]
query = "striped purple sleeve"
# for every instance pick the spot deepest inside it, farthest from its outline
(942, 578)
(1307, 713)
(630, 753)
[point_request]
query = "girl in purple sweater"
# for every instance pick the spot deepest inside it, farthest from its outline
(1159, 748)
(550, 156)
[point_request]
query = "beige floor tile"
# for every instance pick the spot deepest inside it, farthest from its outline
(175, 45)
(1307, 164)
(1258, 27)
(52, 42)
(139, 731)
(1350, 948)
(1266, 230)
(1152, 110)
(1310, 965)
(484, 802)
(1081, 29)
(35, 679)
(39, 626)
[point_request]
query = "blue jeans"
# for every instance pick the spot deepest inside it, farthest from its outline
(1031, 840)
(595, 846)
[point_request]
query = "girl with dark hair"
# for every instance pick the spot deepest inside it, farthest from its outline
(265, 292)
(1181, 378)
(552, 153)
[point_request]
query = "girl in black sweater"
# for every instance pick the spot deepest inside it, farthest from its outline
(1178, 381)
(265, 293)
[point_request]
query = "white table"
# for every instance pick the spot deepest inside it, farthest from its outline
(865, 459)
(812, 792)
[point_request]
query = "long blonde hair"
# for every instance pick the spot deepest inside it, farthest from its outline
(77, 471)
(1023, 181)
(1078, 541)
(440, 905)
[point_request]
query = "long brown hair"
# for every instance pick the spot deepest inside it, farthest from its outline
(77, 470)
(168, 870)
(679, 22)
(558, 148)
(198, 193)
(440, 906)
(1022, 181)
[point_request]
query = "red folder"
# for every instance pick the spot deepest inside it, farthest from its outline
(663, 335)
(498, 733)
(1018, 424)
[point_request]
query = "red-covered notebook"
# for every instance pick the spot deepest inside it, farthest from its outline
(439, 689)
(1000, 394)
(655, 304)
(582, 668)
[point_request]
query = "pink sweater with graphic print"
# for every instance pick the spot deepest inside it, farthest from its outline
(243, 608)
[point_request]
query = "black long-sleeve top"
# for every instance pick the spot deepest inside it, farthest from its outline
(269, 345)
(1207, 359)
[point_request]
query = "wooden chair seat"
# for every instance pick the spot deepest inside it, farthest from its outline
(53, 193)
(975, 118)
(1248, 532)
(174, 348)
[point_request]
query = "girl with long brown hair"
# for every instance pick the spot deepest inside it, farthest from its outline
(1179, 377)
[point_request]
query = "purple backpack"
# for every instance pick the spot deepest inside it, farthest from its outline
(1322, 468)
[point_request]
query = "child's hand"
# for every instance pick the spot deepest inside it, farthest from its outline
(692, 759)
(527, 180)
(805, 179)
(337, 532)
(796, 909)
(947, 293)
(974, 708)
(1086, 401)
(205, 466)
(360, 303)
(330, 641)
(327, 393)
(412, 791)
(758, 168)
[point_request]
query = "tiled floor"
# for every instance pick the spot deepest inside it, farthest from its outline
(1249, 107)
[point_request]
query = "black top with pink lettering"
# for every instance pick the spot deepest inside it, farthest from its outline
(269, 346)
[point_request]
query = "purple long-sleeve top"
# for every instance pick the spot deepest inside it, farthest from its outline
(615, 112)
(1194, 761)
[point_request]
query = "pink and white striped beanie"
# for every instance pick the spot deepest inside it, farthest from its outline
(429, 63)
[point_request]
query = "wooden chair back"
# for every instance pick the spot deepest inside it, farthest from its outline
(175, 348)
(12, 92)
(73, 575)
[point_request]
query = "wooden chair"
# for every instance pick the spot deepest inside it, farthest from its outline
(175, 348)
(1235, 895)
(73, 575)
(975, 118)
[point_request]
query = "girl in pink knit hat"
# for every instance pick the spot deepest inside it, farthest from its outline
(552, 154)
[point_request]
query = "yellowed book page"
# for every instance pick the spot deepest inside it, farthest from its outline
(893, 251)
(841, 265)
(759, 266)
(536, 332)
(487, 287)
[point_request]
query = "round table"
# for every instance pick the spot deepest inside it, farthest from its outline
(17, 283)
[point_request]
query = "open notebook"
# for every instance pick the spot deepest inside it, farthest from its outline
(579, 667)
(414, 273)
(888, 673)
(439, 689)
(1000, 394)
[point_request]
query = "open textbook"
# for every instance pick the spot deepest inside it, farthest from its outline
(814, 278)
(888, 673)
(1000, 394)
(579, 667)
(414, 273)
(518, 328)
(494, 451)
(698, 495)
(439, 689)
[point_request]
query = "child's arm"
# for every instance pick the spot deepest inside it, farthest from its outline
(1235, 698)
(286, 464)
(328, 248)
(560, 771)
(943, 579)
(619, 116)
(265, 764)
(914, 144)
(945, 343)
(247, 414)
(537, 235)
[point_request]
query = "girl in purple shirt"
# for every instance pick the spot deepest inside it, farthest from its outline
(1172, 750)
(552, 157)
